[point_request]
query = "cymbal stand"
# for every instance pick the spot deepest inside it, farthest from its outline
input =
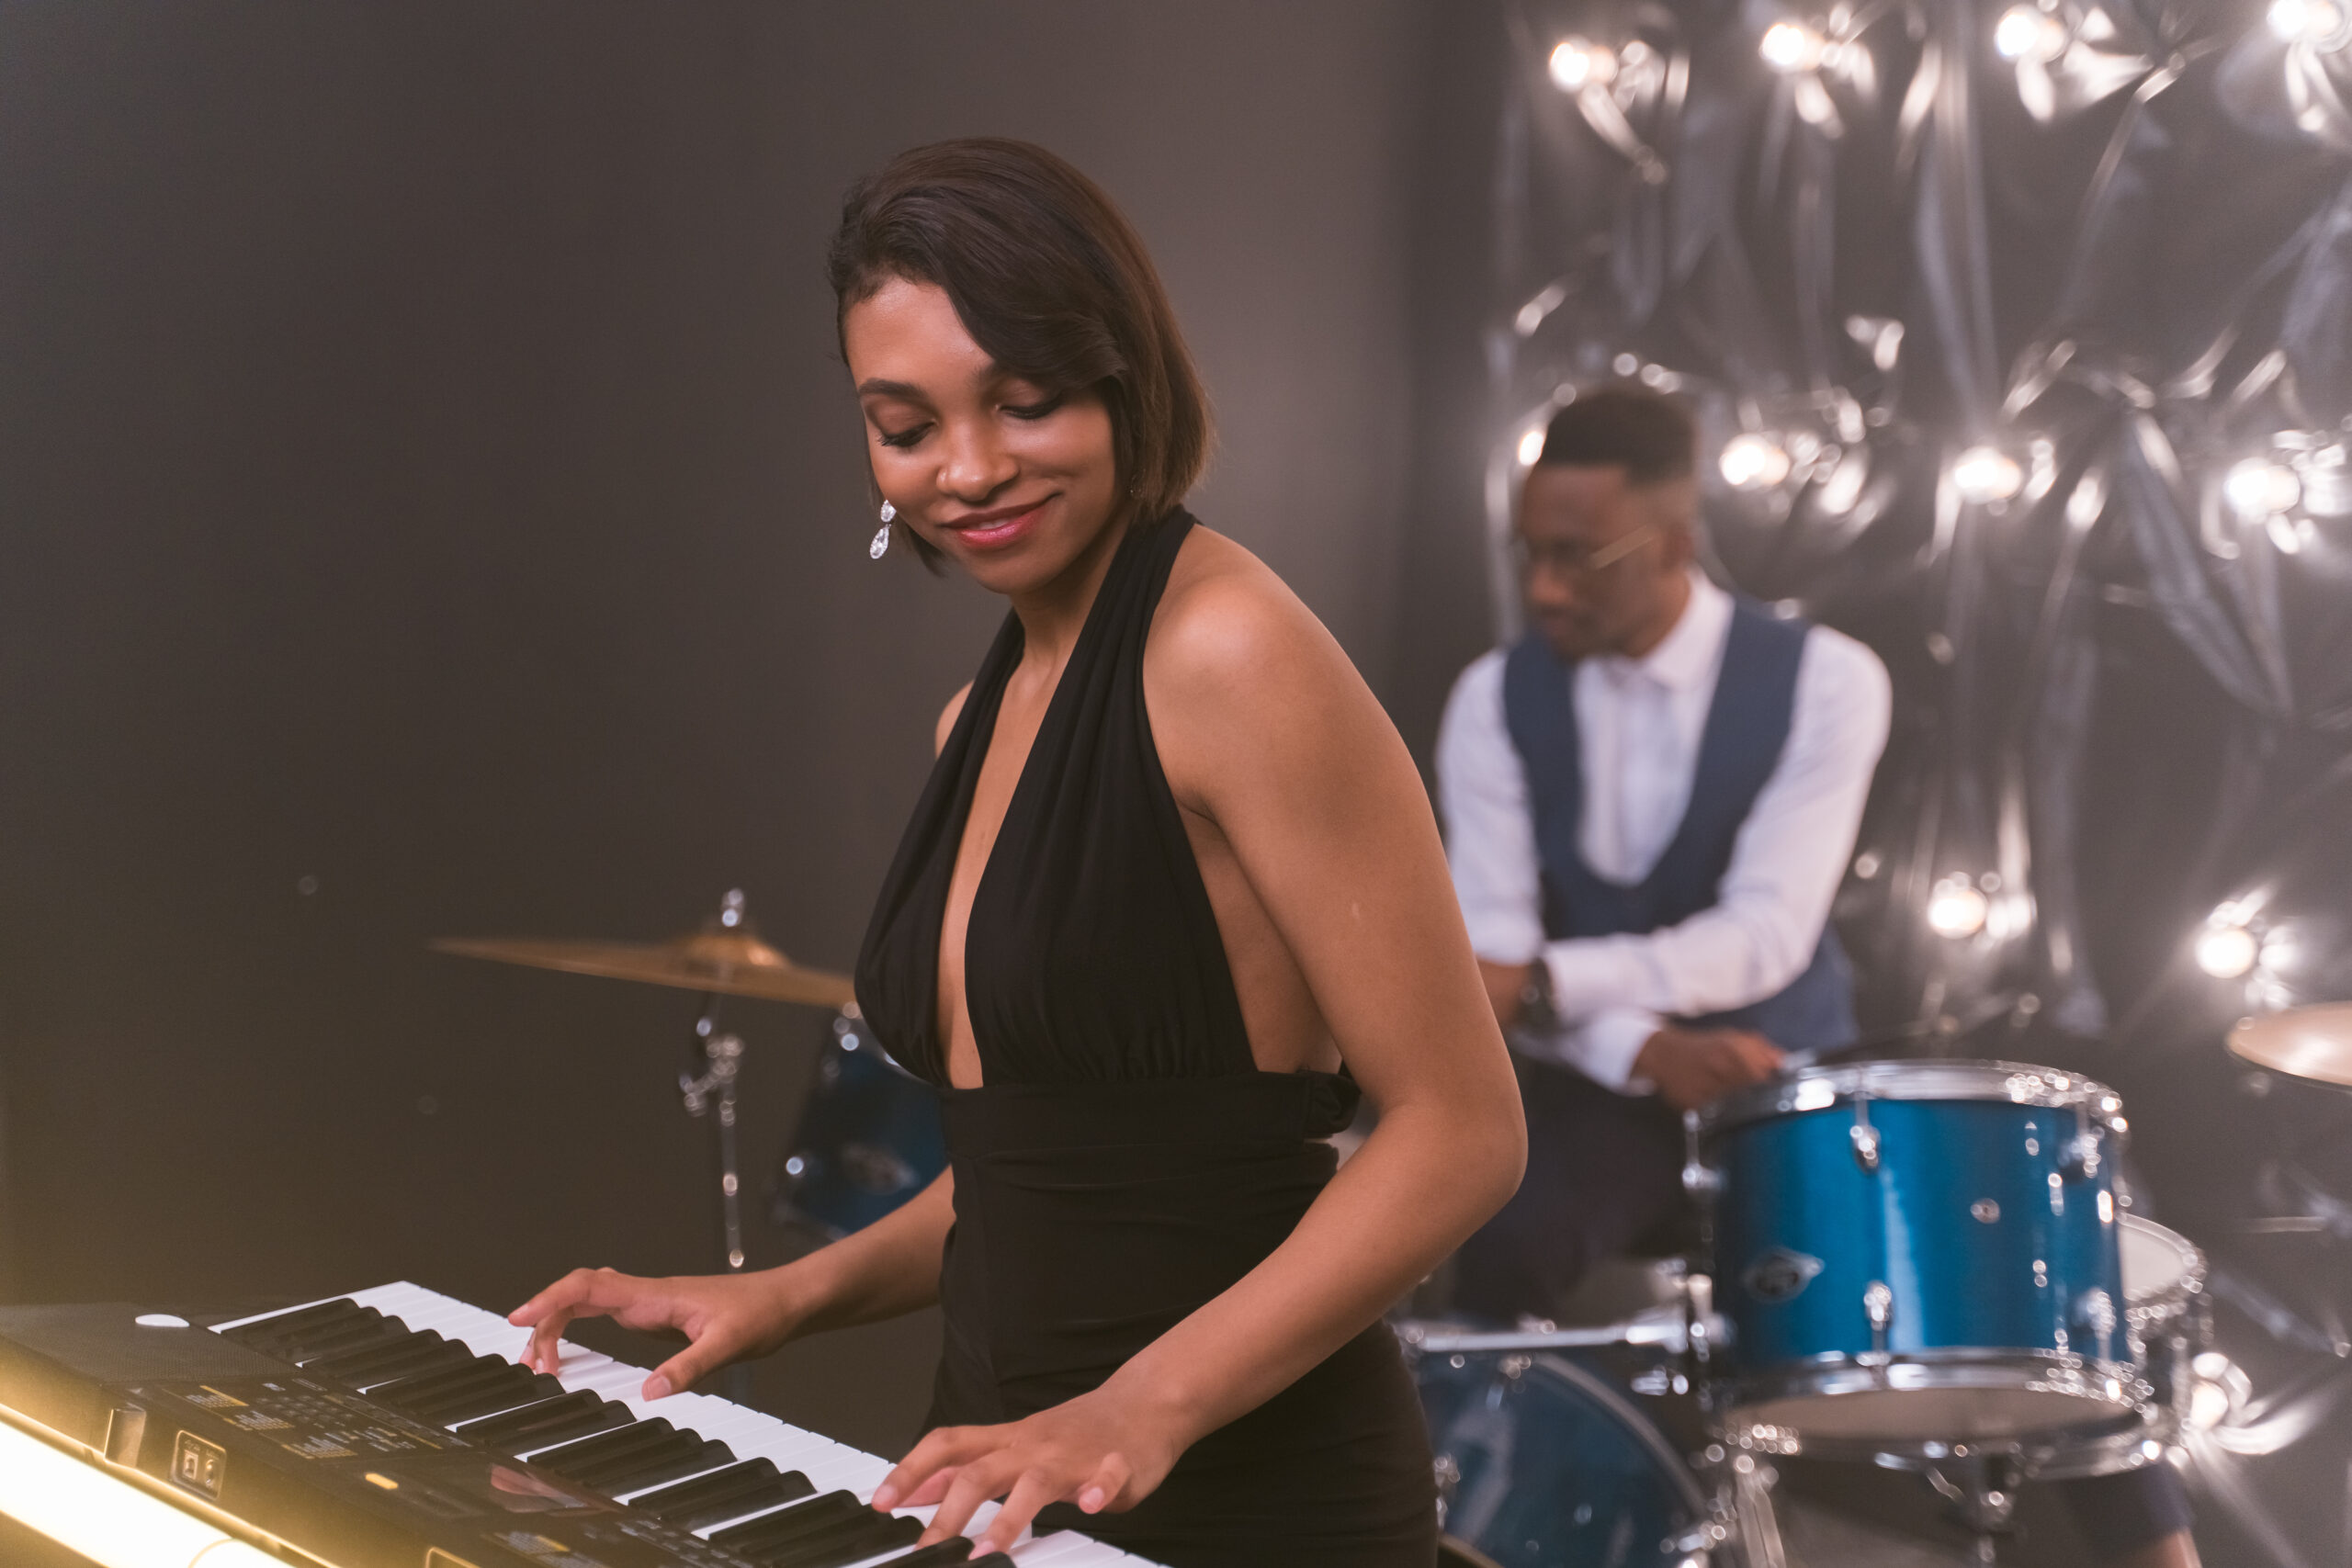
(712, 1092)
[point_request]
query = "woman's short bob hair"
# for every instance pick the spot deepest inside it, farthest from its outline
(1051, 282)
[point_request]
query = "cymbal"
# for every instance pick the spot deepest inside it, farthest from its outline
(734, 961)
(2313, 1043)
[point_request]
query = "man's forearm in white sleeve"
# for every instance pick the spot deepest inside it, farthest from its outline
(1785, 866)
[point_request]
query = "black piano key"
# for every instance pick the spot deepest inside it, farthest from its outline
(360, 1322)
(953, 1550)
(551, 1421)
(517, 1388)
(754, 1537)
(359, 1337)
(789, 1487)
(690, 1457)
(288, 1321)
(853, 1542)
(385, 1363)
(477, 1372)
(607, 1447)
(729, 1494)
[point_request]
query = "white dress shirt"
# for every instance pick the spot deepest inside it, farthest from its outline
(1638, 726)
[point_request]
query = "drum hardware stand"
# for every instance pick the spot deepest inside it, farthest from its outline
(1985, 1497)
(712, 1091)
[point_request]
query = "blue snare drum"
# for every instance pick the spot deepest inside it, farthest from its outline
(1913, 1255)
(1544, 1463)
(869, 1137)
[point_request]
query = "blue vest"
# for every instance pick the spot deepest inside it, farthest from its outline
(1746, 728)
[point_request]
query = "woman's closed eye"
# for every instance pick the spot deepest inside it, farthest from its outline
(906, 437)
(1037, 409)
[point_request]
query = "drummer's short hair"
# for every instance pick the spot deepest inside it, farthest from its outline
(1625, 425)
(1051, 281)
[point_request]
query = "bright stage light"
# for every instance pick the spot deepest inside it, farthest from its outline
(1751, 461)
(1985, 474)
(2320, 23)
(1579, 63)
(1957, 908)
(2228, 952)
(2027, 32)
(1790, 47)
(2259, 488)
(105, 1519)
(1531, 446)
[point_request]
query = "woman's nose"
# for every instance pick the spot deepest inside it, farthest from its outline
(977, 464)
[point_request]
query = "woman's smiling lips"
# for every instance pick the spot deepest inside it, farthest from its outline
(994, 530)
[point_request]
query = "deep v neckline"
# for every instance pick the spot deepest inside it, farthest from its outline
(979, 743)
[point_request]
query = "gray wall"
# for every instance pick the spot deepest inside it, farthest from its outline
(423, 469)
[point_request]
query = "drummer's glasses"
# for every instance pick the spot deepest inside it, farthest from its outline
(1574, 558)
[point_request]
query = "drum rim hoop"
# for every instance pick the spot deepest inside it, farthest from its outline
(1808, 1090)
(1945, 1367)
(2061, 1453)
(2163, 1306)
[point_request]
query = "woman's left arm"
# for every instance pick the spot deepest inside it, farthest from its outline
(1264, 727)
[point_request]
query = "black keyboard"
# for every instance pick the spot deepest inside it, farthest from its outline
(394, 1428)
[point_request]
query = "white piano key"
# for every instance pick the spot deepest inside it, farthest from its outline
(1067, 1548)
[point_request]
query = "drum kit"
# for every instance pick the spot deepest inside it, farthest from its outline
(869, 1136)
(1927, 1266)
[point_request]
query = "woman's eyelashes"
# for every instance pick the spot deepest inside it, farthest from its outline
(912, 434)
(1038, 410)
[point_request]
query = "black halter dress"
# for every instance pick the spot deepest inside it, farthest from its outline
(1125, 1161)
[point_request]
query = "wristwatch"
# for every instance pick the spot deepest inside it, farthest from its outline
(1536, 1012)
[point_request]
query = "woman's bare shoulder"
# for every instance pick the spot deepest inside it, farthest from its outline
(1238, 663)
(1225, 615)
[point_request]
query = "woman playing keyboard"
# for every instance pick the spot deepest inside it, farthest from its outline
(1171, 902)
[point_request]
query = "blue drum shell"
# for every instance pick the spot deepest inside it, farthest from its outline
(1548, 1463)
(1975, 1219)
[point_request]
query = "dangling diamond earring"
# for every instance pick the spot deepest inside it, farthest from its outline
(881, 544)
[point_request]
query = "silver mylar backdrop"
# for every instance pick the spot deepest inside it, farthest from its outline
(2021, 337)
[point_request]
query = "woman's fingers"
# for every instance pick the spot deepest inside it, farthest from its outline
(942, 1449)
(934, 1487)
(583, 1292)
(709, 1351)
(1029, 1494)
(973, 1485)
(1108, 1486)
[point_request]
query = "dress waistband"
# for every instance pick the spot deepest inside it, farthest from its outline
(1239, 1108)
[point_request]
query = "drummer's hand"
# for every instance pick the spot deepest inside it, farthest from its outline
(1693, 1068)
(724, 1316)
(1095, 1450)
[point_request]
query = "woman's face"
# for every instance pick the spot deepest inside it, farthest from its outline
(1008, 479)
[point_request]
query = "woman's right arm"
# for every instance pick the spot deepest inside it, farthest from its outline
(888, 1268)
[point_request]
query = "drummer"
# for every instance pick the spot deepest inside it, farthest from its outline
(1649, 802)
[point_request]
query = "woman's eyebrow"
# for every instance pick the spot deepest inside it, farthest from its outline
(878, 388)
